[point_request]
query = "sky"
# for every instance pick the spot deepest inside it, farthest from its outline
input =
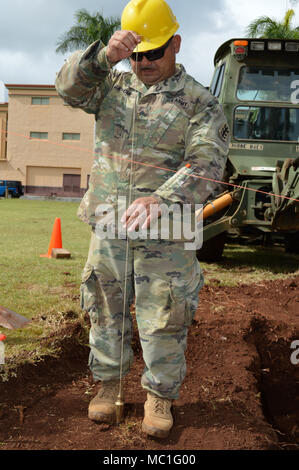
(29, 31)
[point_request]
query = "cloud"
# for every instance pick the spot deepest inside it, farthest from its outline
(31, 28)
(3, 94)
(210, 28)
(24, 68)
(34, 27)
(28, 39)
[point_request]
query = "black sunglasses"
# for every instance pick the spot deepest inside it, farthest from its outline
(152, 55)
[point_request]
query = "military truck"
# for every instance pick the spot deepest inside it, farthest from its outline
(257, 83)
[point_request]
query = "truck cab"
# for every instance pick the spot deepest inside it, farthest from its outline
(257, 83)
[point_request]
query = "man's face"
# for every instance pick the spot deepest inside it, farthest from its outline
(152, 72)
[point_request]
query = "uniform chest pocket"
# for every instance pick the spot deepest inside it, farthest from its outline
(165, 128)
(111, 119)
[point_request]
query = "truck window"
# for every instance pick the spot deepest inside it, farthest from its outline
(217, 81)
(266, 84)
(266, 123)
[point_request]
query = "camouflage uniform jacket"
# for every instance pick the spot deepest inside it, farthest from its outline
(175, 122)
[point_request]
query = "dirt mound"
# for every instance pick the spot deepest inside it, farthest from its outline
(239, 392)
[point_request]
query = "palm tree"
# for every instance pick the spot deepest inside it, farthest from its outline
(89, 28)
(268, 28)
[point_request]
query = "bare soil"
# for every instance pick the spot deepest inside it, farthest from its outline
(240, 392)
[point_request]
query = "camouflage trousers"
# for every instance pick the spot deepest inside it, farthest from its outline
(164, 279)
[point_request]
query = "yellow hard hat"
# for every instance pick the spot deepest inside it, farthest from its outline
(153, 20)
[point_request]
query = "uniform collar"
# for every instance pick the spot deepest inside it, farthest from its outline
(172, 84)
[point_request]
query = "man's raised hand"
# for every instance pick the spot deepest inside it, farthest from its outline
(121, 45)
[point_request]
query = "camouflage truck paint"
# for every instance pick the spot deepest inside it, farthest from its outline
(257, 164)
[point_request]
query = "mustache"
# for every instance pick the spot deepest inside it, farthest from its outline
(145, 67)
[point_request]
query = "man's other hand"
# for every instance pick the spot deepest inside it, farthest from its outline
(121, 45)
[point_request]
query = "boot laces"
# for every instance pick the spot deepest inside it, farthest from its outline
(161, 405)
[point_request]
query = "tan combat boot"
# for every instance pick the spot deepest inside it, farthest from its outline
(158, 419)
(102, 406)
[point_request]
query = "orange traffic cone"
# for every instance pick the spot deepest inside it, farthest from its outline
(56, 240)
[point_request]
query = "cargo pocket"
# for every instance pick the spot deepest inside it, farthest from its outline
(184, 298)
(177, 310)
(89, 293)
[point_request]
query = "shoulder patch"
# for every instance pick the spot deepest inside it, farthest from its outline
(224, 132)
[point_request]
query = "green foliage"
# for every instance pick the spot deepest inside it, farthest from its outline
(268, 28)
(88, 28)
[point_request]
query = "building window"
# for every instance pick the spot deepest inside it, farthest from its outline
(70, 136)
(39, 135)
(40, 100)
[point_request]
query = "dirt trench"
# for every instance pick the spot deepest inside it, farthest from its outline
(278, 379)
(240, 391)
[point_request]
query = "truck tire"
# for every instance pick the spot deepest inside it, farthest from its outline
(291, 243)
(212, 249)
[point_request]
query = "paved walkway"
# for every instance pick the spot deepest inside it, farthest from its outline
(51, 198)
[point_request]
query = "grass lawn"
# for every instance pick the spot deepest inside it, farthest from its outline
(47, 290)
(252, 264)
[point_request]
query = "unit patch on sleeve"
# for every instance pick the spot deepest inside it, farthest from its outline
(224, 132)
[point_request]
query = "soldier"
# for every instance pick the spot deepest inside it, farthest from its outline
(149, 125)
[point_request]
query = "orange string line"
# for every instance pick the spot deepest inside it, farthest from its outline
(83, 149)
